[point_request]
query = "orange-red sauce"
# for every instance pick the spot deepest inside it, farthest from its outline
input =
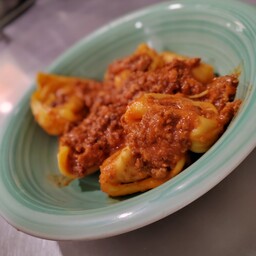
(158, 140)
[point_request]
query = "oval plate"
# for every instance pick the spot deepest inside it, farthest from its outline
(222, 33)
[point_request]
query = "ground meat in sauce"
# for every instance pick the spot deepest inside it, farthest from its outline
(94, 139)
(171, 78)
(164, 142)
(221, 90)
(101, 132)
(87, 90)
(161, 138)
(132, 63)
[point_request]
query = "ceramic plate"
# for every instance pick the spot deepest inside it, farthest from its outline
(223, 33)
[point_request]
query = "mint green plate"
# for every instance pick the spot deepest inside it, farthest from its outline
(223, 33)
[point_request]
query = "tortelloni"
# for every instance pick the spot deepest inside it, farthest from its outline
(143, 59)
(203, 72)
(161, 129)
(142, 124)
(120, 176)
(57, 102)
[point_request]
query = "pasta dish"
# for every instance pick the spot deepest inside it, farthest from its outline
(145, 122)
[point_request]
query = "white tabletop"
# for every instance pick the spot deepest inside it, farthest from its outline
(222, 222)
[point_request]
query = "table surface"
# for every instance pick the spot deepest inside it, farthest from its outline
(222, 222)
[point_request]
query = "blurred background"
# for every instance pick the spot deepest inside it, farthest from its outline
(222, 222)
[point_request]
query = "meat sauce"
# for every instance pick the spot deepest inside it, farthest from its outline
(161, 138)
(162, 135)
